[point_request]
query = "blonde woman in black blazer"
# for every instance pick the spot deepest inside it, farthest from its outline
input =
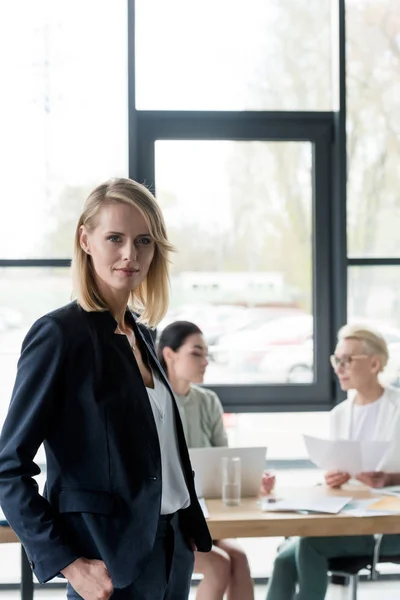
(119, 516)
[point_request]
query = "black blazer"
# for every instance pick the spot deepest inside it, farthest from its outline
(79, 389)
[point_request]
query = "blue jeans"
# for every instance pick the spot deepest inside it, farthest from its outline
(303, 563)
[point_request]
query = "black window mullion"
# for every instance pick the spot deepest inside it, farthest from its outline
(380, 261)
(35, 262)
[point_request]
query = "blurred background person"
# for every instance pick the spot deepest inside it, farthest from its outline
(371, 412)
(182, 352)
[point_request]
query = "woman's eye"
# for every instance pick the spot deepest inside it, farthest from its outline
(144, 241)
(114, 238)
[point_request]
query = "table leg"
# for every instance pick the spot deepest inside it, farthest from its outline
(26, 577)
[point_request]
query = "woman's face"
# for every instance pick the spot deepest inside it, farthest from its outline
(189, 362)
(355, 368)
(120, 246)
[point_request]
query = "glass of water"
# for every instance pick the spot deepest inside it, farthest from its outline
(231, 480)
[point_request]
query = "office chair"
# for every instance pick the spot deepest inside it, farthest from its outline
(350, 566)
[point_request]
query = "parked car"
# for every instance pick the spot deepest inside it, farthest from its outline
(246, 349)
(212, 319)
(289, 364)
(218, 320)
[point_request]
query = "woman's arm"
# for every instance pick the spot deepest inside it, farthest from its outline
(379, 479)
(392, 479)
(30, 416)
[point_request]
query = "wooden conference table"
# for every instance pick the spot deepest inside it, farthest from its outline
(7, 536)
(248, 520)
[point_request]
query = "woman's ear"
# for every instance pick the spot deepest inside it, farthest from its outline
(168, 354)
(376, 365)
(83, 239)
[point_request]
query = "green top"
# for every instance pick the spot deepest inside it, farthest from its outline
(201, 412)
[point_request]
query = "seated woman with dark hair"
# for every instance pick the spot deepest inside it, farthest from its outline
(182, 352)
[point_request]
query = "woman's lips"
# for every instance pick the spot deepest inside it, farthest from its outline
(128, 272)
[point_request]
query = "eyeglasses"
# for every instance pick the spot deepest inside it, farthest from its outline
(345, 361)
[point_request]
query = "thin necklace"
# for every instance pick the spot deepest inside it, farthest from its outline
(133, 346)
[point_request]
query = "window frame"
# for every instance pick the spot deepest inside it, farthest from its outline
(326, 131)
(314, 128)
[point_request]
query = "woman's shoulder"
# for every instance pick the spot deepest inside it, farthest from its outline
(72, 315)
(392, 394)
(66, 314)
(51, 332)
(342, 406)
(206, 396)
(66, 322)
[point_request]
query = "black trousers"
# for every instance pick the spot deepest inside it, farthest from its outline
(168, 573)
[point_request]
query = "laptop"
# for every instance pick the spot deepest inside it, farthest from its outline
(206, 463)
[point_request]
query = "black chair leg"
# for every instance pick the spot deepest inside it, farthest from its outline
(353, 587)
(26, 577)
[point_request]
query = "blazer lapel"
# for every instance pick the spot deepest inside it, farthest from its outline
(178, 421)
(106, 328)
(151, 352)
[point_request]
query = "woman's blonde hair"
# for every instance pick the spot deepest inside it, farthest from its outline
(374, 342)
(151, 298)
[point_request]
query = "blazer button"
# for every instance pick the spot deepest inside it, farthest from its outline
(153, 478)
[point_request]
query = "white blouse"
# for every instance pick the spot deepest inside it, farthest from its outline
(364, 418)
(175, 494)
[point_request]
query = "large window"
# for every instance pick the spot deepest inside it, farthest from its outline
(233, 55)
(232, 274)
(63, 116)
(246, 198)
(64, 128)
(373, 87)
(373, 208)
(246, 192)
(230, 112)
(25, 295)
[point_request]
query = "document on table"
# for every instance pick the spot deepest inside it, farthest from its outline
(350, 456)
(203, 507)
(307, 504)
(390, 504)
(389, 490)
(363, 508)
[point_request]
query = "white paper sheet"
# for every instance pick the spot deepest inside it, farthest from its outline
(390, 490)
(349, 456)
(307, 503)
(359, 508)
(203, 507)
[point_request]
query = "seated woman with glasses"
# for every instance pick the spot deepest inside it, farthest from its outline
(371, 412)
(182, 352)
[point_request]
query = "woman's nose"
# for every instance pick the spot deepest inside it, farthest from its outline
(130, 252)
